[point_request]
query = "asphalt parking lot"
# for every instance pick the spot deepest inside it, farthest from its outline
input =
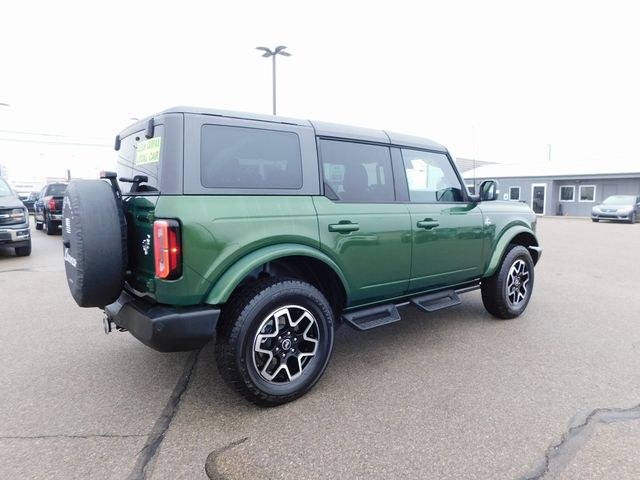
(455, 394)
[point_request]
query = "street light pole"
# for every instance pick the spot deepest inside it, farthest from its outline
(279, 50)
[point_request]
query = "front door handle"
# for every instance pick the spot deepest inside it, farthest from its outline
(427, 224)
(345, 227)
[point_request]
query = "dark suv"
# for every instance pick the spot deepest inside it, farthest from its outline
(269, 232)
(14, 221)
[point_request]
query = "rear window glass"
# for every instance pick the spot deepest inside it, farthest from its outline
(141, 156)
(241, 157)
(56, 189)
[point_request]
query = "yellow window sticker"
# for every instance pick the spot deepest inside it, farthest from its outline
(148, 151)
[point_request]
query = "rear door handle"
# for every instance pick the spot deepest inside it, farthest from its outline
(427, 224)
(345, 227)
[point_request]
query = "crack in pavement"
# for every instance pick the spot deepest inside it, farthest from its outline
(156, 437)
(211, 464)
(557, 456)
(62, 435)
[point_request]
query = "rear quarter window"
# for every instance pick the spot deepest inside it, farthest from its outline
(241, 157)
(130, 163)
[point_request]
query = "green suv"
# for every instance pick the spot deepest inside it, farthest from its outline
(267, 233)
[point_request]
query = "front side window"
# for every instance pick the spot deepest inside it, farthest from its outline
(241, 157)
(357, 172)
(514, 193)
(567, 193)
(430, 177)
(587, 193)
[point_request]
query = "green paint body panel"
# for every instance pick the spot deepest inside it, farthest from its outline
(225, 238)
(503, 221)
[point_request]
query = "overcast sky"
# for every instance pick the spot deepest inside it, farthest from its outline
(498, 80)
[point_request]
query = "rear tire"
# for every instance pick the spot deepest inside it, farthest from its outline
(52, 227)
(507, 292)
(39, 226)
(275, 340)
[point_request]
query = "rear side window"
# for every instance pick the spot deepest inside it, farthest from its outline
(241, 157)
(357, 172)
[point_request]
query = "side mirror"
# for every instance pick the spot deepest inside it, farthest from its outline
(488, 190)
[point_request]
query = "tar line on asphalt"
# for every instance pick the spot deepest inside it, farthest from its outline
(154, 440)
(558, 456)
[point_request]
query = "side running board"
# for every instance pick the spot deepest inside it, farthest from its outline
(372, 317)
(436, 301)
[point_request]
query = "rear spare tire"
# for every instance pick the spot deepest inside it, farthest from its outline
(94, 243)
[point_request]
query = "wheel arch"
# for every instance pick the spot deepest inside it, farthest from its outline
(518, 235)
(289, 260)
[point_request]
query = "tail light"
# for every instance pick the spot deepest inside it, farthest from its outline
(167, 249)
(52, 204)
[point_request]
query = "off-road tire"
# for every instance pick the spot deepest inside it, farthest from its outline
(240, 322)
(494, 288)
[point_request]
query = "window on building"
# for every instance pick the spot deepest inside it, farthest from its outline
(430, 177)
(587, 193)
(240, 157)
(567, 193)
(357, 172)
(514, 193)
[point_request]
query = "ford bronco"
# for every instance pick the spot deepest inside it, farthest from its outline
(266, 233)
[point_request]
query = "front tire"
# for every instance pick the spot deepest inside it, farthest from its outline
(23, 251)
(633, 218)
(275, 340)
(507, 292)
(595, 220)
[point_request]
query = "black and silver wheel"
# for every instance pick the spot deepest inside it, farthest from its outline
(506, 294)
(275, 340)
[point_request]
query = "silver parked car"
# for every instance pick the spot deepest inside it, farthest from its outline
(617, 207)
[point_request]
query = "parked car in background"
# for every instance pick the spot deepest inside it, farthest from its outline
(29, 198)
(617, 207)
(48, 208)
(14, 221)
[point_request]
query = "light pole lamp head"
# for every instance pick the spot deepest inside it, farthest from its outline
(279, 50)
(267, 52)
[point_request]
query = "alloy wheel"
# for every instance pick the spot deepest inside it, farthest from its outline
(285, 343)
(517, 283)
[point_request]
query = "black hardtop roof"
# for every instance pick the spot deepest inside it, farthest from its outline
(324, 129)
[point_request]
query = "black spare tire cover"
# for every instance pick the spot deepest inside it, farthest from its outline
(94, 242)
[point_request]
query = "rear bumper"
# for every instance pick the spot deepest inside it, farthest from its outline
(163, 327)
